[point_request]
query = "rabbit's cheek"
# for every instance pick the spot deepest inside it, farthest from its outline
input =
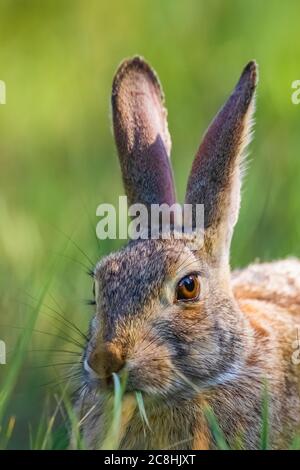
(150, 368)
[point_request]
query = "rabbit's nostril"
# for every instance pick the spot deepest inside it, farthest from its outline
(109, 382)
(90, 370)
(105, 360)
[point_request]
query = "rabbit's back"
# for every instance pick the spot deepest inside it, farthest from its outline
(276, 283)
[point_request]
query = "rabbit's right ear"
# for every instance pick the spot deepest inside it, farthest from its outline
(141, 134)
(215, 178)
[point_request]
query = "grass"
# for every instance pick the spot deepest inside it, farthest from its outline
(142, 410)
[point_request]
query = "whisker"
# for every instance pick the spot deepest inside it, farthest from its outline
(75, 244)
(91, 223)
(184, 441)
(63, 320)
(68, 378)
(66, 336)
(58, 351)
(78, 391)
(86, 415)
(57, 364)
(45, 333)
(74, 260)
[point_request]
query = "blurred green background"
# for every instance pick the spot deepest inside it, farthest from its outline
(58, 160)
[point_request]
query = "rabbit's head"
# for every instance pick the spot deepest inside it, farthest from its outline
(165, 314)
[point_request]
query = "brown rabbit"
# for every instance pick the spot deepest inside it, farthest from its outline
(194, 339)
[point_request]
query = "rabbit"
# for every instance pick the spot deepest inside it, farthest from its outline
(195, 339)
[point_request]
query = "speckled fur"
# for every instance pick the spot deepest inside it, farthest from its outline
(226, 350)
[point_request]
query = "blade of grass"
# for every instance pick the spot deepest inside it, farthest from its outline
(50, 425)
(77, 438)
(17, 358)
(9, 431)
(141, 406)
(37, 435)
(111, 442)
(216, 431)
(117, 412)
(210, 416)
(112, 439)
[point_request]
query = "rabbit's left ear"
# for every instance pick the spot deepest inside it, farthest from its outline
(141, 134)
(215, 177)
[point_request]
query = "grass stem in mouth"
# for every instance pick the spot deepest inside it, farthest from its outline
(142, 410)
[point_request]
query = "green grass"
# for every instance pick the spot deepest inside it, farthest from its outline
(58, 163)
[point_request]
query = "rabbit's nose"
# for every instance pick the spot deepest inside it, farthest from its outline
(105, 360)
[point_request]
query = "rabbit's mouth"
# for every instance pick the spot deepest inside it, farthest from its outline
(93, 379)
(132, 382)
(129, 381)
(178, 386)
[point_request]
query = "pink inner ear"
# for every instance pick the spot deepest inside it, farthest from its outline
(142, 135)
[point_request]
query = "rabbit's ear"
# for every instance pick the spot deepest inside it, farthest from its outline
(215, 177)
(141, 134)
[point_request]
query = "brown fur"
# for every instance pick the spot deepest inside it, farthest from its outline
(223, 353)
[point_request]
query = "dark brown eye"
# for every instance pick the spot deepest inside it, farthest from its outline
(188, 288)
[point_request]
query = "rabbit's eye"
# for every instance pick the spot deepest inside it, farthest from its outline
(188, 288)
